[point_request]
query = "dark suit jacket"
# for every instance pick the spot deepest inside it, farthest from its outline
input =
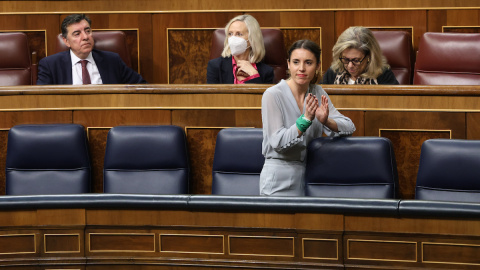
(220, 70)
(57, 69)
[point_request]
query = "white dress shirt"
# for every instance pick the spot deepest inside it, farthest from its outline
(91, 67)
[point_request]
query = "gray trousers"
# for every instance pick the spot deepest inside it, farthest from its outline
(282, 178)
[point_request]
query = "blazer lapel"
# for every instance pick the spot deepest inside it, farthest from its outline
(66, 71)
(99, 61)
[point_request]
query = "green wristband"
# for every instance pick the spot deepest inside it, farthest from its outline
(303, 123)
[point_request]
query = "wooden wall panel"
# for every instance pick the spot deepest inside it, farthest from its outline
(358, 118)
(473, 126)
(98, 123)
(407, 131)
(452, 18)
(407, 18)
(407, 145)
(160, 24)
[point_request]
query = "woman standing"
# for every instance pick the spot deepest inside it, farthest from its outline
(294, 112)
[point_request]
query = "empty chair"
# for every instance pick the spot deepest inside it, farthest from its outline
(449, 170)
(47, 159)
(146, 160)
(238, 162)
(448, 59)
(15, 60)
(351, 167)
(397, 48)
(113, 41)
(275, 53)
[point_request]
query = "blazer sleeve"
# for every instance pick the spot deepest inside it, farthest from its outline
(266, 74)
(129, 76)
(329, 77)
(387, 77)
(213, 71)
(44, 76)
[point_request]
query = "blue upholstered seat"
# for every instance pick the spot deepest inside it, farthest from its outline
(449, 170)
(146, 160)
(47, 159)
(238, 162)
(351, 167)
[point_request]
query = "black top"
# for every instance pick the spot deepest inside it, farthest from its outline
(220, 70)
(387, 77)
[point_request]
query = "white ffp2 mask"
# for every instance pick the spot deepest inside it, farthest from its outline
(237, 45)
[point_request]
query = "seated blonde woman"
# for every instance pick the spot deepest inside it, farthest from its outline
(242, 55)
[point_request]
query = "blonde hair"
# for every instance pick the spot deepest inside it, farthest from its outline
(255, 38)
(362, 39)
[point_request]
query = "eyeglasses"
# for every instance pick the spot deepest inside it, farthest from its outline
(354, 61)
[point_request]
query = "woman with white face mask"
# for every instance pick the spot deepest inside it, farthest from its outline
(242, 54)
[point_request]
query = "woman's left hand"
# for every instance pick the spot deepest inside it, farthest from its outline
(322, 111)
(245, 68)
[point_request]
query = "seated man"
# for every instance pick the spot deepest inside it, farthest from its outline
(82, 64)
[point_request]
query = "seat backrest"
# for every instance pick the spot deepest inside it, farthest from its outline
(237, 162)
(113, 41)
(15, 59)
(397, 48)
(275, 53)
(449, 170)
(47, 159)
(146, 160)
(448, 59)
(351, 167)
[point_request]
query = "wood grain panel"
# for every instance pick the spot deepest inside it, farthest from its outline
(407, 145)
(189, 53)
(461, 29)
(473, 126)
(261, 246)
(381, 250)
(62, 243)
(97, 143)
(201, 149)
(121, 242)
(162, 22)
(326, 249)
(248, 118)
(203, 244)
(407, 131)
(388, 18)
(54, 217)
(451, 253)
(358, 118)
(463, 17)
(18, 218)
(457, 227)
(17, 244)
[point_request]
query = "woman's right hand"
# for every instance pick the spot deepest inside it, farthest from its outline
(311, 107)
